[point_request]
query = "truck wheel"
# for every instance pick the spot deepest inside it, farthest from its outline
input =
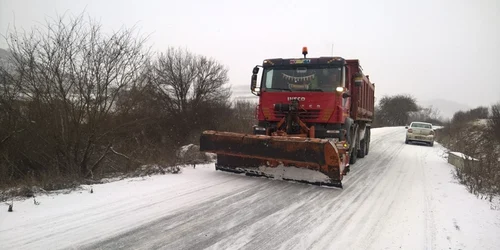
(368, 146)
(354, 158)
(354, 155)
(367, 138)
(362, 149)
(354, 141)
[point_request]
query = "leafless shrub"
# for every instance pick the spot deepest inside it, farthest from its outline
(494, 122)
(77, 104)
(60, 96)
(426, 114)
(242, 117)
(476, 139)
(472, 114)
(148, 170)
(193, 89)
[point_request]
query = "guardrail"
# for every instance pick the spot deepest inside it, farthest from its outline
(461, 160)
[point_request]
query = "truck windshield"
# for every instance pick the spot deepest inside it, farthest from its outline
(324, 79)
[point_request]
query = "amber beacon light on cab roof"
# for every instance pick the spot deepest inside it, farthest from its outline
(314, 119)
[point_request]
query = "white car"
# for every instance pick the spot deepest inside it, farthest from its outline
(420, 132)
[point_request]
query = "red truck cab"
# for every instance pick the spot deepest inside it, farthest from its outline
(331, 92)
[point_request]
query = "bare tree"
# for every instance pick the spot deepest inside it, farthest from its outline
(494, 122)
(426, 114)
(395, 110)
(242, 117)
(193, 88)
(186, 79)
(470, 115)
(68, 77)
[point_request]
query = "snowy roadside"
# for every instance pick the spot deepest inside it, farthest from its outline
(463, 220)
(24, 192)
(65, 220)
(187, 156)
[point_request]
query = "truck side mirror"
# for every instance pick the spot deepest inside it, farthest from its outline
(253, 85)
(345, 95)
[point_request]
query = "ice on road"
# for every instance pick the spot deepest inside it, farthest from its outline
(398, 197)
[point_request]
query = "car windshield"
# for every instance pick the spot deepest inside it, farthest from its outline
(323, 79)
(421, 125)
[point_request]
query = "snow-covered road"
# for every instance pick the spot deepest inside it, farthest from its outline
(398, 197)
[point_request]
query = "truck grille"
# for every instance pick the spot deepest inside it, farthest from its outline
(311, 114)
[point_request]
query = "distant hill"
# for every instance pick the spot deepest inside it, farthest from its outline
(446, 108)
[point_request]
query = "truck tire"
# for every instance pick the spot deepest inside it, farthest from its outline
(368, 138)
(354, 141)
(363, 145)
(354, 156)
(362, 149)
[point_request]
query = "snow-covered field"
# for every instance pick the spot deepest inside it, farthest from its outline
(398, 197)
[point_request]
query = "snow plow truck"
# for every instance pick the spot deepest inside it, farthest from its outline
(314, 117)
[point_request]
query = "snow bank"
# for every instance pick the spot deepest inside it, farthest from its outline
(462, 155)
(281, 172)
(69, 220)
(463, 221)
(191, 154)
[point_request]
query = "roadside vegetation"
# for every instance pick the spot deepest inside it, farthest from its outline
(78, 104)
(476, 133)
(400, 110)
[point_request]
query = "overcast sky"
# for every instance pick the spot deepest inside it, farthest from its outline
(432, 49)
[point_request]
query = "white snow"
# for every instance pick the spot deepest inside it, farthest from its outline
(62, 221)
(280, 172)
(481, 122)
(462, 155)
(397, 197)
(184, 149)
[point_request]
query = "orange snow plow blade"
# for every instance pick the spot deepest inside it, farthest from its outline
(310, 160)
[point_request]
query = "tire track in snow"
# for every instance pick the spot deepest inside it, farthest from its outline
(349, 207)
(79, 222)
(232, 213)
(415, 220)
(121, 208)
(355, 191)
